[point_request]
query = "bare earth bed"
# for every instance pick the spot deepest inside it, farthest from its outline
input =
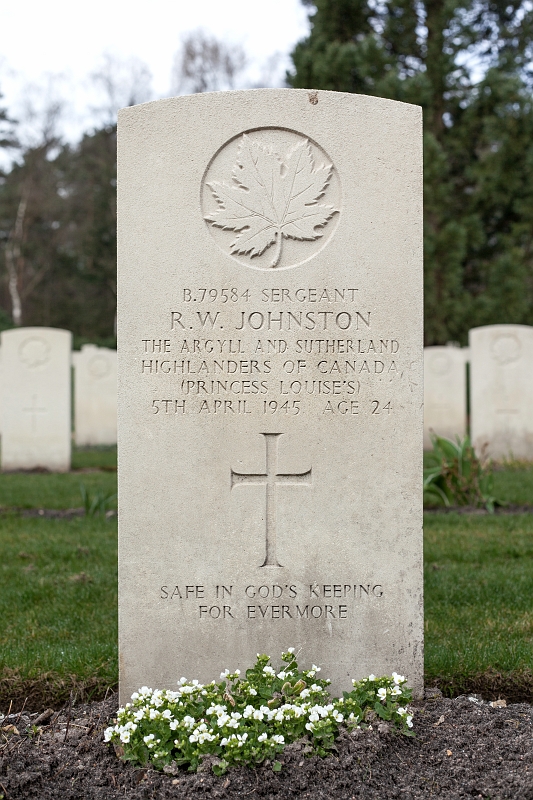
(464, 748)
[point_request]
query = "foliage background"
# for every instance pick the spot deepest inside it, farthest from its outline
(466, 62)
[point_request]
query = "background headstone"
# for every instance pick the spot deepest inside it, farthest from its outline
(501, 390)
(444, 392)
(95, 395)
(35, 399)
(270, 385)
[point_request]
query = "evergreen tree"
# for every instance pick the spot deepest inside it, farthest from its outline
(466, 62)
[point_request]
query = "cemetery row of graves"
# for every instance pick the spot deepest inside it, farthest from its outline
(58, 534)
(486, 388)
(48, 392)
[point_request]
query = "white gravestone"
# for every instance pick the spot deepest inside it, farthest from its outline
(270, 385)
(444, 392)
(35, 399)
(95, 395)
(501, 391)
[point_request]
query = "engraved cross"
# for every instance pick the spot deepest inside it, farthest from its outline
(34, 411)
(271, 478)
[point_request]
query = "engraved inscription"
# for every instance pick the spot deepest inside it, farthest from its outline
(266, 187)
(99, 366)
(506, 348)
(273, 601)
(271, 478)
(34, 352)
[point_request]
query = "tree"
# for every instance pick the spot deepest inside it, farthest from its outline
(466, 62)
(205, 64)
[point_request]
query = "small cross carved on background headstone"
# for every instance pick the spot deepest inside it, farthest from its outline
(34, 410)
(271, 478)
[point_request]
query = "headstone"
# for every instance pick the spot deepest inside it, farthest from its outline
(444, 392)
(270, 385)
(95, 395)
(35, 399)
(501, 391)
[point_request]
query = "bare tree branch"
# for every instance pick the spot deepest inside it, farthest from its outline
(206, 64)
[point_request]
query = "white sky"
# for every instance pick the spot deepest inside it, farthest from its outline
(56, 44)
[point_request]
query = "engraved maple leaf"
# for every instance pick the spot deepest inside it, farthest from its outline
(271, 198)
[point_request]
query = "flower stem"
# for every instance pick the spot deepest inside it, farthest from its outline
(277, 254)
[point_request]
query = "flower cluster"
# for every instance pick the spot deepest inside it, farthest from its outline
(247, 720)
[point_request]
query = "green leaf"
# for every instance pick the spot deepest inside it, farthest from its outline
(276, 766)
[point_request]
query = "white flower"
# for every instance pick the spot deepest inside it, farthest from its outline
(372, 677)
(313, 717)
(409, 720)
(278, 738)
(305, 693)
(149, 738)
(382, 693)
(279, 716)
(315, 668)
(224, 742)
(258, 714)
(290, 650)
(139, 714)
(269, 671)
(398, 678)
(396, 690)
(241, 738)
(309, 726)
(167, 714)
(237, 672)
(188, 721)
(338, 716)
(248, 711)
(402, 711)
(262, 737)
(108, 734)
(174, 724)
(315, 688)
(252, 691)
(224, 674)
(282, 675)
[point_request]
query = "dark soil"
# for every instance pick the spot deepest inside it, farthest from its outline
(464, 748)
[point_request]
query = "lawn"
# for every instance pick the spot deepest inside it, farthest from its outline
(479, 598)
(58, 607)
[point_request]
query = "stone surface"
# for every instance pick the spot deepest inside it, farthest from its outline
(270, 385)
(35, 399)
(444, 392)
(95, 395)
(501, 390)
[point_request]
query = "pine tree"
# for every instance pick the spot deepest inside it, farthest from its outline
(466, 63)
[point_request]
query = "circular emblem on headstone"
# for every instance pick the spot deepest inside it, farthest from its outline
(271, 198)
(440, 364)
(34, 352)
(506, 348)
(99, 366)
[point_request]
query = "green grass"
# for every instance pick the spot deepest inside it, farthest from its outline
(514, 485)
(94, 458)
(53, 490)
(58, 604)
(58, 607)
(478, 594)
